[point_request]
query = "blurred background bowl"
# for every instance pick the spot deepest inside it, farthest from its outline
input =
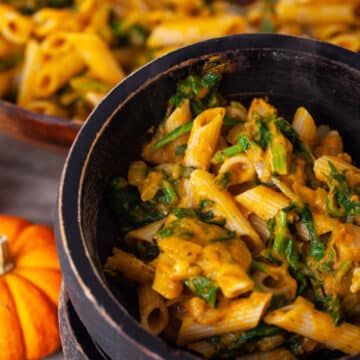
(290, 71)
(46, 131)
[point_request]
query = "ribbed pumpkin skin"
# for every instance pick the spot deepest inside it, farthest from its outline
(29, 292)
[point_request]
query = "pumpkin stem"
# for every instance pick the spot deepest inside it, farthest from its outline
(6, 263)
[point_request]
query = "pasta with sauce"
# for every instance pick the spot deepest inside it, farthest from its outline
(233, 262)
(61, 57)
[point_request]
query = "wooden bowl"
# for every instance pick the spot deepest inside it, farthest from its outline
(290, 71)
(47, 131)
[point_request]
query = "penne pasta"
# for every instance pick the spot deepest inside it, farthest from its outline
(14, 27)
(305, 126)
(203, 138)
(241, 315)
(181, 32)
(55, 74)
(129, 266)
(154, 315)
(203, 186)
(271, 201)
(31, 67)
(98, 57)
(302, 318)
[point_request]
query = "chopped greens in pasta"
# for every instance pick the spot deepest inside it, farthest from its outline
(254, 250)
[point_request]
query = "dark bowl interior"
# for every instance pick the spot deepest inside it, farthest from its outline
(289, 71)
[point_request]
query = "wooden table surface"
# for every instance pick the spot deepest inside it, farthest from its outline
(29, 180)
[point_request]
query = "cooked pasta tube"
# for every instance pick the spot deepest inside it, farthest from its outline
(56, 73)
(240, 315)
(186, 31)
(302, 318)
(56, 43)
(129, 266)
(14, 27)
(203, 187)
(48, 20)
(98, 57)
(349, 41)
(271, 201)
(304, 125)
(330, 144)
(322, 169)
(323, 225)
(309, 14)
(240, 167)
(31, 68)
(180, 116)
(154, 315)
(276, 280)
(203, 138)
(145, 233)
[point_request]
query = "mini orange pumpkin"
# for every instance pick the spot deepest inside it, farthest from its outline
(29, 288)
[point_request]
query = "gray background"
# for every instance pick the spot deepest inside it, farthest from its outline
(29, 179)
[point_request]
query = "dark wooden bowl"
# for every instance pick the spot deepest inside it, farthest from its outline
(290, 71)
(47, 131)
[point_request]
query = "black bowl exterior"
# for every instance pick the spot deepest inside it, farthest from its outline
(291, 71)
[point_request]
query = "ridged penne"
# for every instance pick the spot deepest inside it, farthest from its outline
(154, 315)
(203, 186)
(242, 314)
(129, 266)
(322, 169)
(262, 201)
(304, 125)
(14, 27)
(240, 167)
(288, 11)
(187, 31)
(56, 73)
(98, 57)
(145, 233)
(203, 138)
(31, 68)
(302, 318)
(276, 280)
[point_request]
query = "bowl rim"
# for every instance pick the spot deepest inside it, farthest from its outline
(82, 280)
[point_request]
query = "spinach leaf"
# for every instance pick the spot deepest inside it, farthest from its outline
(201, 91)
(173, 135)
(262, 330)
(330, 304)
(241, 146)
(180, 149)
(126, 202)
(204, 288)
(264, 135)
(230, 235)
(338, 202)
(317, 249)
(224, 179)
